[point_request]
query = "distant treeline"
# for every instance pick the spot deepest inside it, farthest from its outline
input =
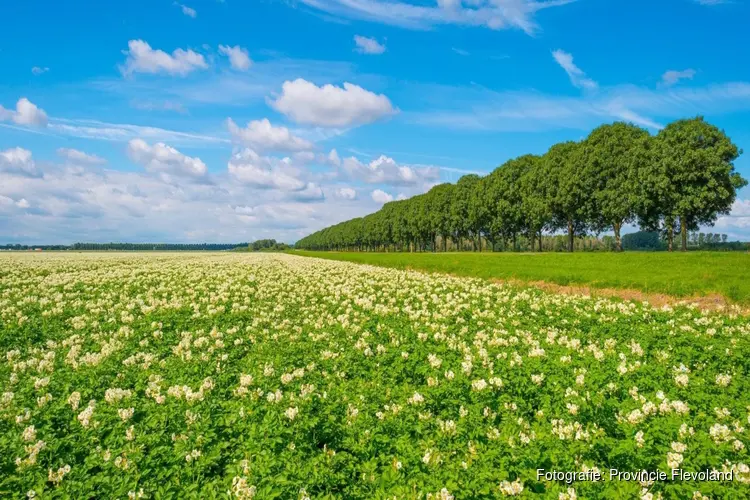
(264, 246)
(130, 246)
(651, 240)
(671, 183)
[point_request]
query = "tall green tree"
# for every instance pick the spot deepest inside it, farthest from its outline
(568, 190)
(532, 186)
(694, 167)
(461, 225)
(440, 222)
(610, 159)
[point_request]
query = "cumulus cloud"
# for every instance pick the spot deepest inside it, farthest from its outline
(331, 106)
(283, 215)
(261, 135)
(385, 170)
(346, 193)
(78, 157)
(333, 158)
(94, 203)
(26, 113)
(311, 192)
(367, 45)
(380, 196)
(671, 77)
(141, 58)
(261, 172)
(238, 57)
(39, 70)
(18, 161)
(165, 159)
(577, 76)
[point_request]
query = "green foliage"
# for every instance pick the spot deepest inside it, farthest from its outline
(672, 183)
(267, 246)
(242, 375)
(643, 240)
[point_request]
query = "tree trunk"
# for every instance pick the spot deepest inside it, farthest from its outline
(618, 241)
(670, 233)
(570, 235)
(540, 240)
(683, 232)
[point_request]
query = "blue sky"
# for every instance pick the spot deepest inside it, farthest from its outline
(231, 121)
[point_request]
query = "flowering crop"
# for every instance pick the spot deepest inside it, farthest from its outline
(278, 376)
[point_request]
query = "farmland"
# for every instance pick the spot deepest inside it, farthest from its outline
(281, 376)
(681, 275)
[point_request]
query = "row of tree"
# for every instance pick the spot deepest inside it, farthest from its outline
(673, 182)
(265, 246)
(171, 247)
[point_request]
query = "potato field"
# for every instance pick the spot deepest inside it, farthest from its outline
(228, 375)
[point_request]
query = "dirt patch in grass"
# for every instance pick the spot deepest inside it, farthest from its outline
(711, 302)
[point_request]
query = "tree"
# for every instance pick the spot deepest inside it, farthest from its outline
(534, 193)
(460, 224)
(611, 156)
(503, 201)
(568, 191)
(442, 197)
(695, 165)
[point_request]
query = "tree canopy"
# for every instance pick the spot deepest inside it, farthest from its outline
(673, 182)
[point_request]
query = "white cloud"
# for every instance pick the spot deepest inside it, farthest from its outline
(311, 192)
(26, 113)
(190, 12)
(141, 58)
(738, 219)
(385, 170)
(261, 135)
(165, 159)
(260, 172)
(333, 158)
(380, 196)
(671, 77)
(576, 75)
(238, 57)
(346, 193)
(331, 106)
(91, 203)
(95, 129)
(368, 45)
(493, 14)
(38, 70)
(472, 108)
(711, 2)
(18, 161)
(78, 157)
(158, 106)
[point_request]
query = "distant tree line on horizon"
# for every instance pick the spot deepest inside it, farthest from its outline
(670, 184)
(140, 247)
(264, 246)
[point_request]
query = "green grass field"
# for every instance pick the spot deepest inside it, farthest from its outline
(676, 274)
